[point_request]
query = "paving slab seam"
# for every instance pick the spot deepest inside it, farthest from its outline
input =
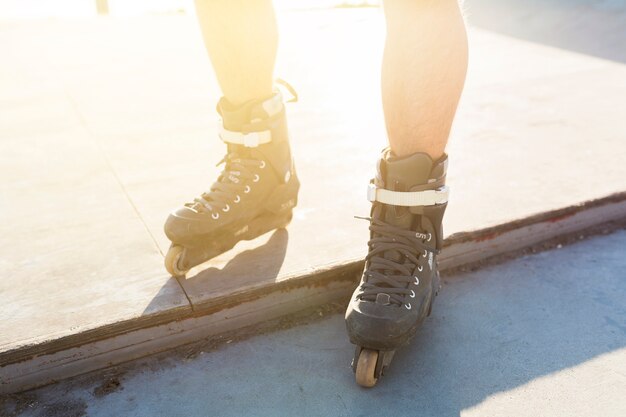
(96, 140)
(37, 365)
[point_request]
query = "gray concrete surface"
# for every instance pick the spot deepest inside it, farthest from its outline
(542, 335)
(593, 27)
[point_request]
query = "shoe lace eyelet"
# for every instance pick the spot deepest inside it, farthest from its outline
(412, 295)
(237, 199)
(417, 280)
(425, 253)
(256, 178)
(225, 209)
(247, 189)
(262, 164)
(215, 216)
(407, 306)
(430, 236)
(420, 268)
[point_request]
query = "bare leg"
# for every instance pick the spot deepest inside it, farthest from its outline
(241, 37)
(424, 66)
(423, 74)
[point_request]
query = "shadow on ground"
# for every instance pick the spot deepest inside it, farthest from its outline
(591, 27)
(248, 266)
(265, 259)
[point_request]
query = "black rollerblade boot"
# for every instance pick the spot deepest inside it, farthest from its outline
(254, 194)
(400, 279)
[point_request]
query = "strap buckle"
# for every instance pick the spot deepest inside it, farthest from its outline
(410, 198)
(249, 140)
(371, 192)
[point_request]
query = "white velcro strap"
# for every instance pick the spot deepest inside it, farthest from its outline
(408, 199)
(249, 140)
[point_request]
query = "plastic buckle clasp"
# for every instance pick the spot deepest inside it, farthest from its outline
(251, 140)
(371, 192)
(444, 191)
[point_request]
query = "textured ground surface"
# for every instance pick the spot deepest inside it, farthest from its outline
(540, 335)
(103, 121)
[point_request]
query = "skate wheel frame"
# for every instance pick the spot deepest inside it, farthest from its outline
(171, 261)
(366, 368)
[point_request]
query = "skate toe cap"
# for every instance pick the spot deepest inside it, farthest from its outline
(377, 326)
(185, 223)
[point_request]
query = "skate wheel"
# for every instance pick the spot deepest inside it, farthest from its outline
(366, 368)
(171, 261)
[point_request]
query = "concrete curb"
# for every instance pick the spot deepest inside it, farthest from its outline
(37, 365)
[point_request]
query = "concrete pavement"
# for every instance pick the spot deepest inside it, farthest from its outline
(103, 121)
(541, 335)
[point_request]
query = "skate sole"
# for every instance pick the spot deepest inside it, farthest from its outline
(180, 259)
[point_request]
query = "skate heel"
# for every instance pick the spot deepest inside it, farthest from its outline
(266, 223)
(284, 198)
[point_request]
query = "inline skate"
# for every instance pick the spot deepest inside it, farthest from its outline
(400, 278)
(254, 194)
